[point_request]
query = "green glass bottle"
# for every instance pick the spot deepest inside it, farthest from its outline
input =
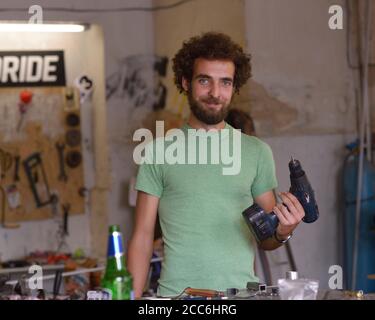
(117, 281)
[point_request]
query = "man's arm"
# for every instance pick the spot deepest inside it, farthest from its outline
(289, 217)
(141, 243)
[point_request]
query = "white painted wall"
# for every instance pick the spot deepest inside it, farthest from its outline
(303, 63)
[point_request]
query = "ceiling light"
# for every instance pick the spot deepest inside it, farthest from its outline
(41, 27)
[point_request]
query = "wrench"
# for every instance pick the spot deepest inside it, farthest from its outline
(60, 149)
(16, 168)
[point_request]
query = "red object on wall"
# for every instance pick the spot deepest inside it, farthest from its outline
(26, 96)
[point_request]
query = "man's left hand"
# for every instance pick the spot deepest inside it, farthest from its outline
(290, 214)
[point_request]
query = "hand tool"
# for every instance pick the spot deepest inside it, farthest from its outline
(204, 292)
(263, 225)
(32, 165)
(13, 196)
(6, 161)
(57, 283)
(5, 289)
(3, 206)
(25, 99)
(41, 294)
(60, 150)
(16, 168)
(54, 204)
(66, 208)
(21, 288)
(63, 229)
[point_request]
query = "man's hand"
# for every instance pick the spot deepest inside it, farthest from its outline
(290, 214)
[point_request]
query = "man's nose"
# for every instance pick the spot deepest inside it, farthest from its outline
(215, 90)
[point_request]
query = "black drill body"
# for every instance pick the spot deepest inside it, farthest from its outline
(263, 225)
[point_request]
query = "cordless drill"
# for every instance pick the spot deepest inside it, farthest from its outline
(263, 225)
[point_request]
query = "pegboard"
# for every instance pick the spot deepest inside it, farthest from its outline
(52, 117)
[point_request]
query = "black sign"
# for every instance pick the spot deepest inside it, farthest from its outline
(32, 68)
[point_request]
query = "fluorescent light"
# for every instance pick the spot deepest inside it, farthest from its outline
(40, 27)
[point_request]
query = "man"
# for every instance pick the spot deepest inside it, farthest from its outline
(206, 241)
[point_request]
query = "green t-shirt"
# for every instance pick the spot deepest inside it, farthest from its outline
(207, 243)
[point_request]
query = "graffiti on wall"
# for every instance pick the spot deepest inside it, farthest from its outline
(139, 81)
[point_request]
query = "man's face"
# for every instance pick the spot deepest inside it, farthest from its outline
(211, 89)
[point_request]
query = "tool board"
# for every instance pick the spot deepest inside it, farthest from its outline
(41, 161)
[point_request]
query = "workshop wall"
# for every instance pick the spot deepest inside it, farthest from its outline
(121, 41)
(44, 125)
(301, 63)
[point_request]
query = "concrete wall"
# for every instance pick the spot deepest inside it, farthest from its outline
(302, 63)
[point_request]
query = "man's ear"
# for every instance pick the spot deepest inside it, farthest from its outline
(185, 84)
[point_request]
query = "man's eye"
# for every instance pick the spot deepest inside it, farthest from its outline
(203, 81)
(227, 83)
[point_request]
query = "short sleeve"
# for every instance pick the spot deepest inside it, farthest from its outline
(265, 179)
(149, 177)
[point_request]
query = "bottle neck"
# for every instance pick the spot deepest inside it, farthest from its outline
(116, 263)
(115, 252)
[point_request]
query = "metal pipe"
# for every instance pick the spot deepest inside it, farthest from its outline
(363, 123)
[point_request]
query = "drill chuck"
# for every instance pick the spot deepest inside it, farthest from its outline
(301, 188)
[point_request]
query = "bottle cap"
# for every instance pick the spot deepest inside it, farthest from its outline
(114, 227)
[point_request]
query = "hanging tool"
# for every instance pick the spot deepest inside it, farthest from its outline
(60, 150)
(63, 229)
(71, 100)
(66, 208)
(16, 168)
(3, 207)
(54, 204)
(6, 161)
(13, 196)
(23, 105)
(34, 165)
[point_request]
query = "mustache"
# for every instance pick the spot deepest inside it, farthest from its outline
(212, 100)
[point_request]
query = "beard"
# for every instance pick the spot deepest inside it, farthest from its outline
(206, 115)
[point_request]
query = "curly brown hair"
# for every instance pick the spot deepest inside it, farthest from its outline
(211, 46)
